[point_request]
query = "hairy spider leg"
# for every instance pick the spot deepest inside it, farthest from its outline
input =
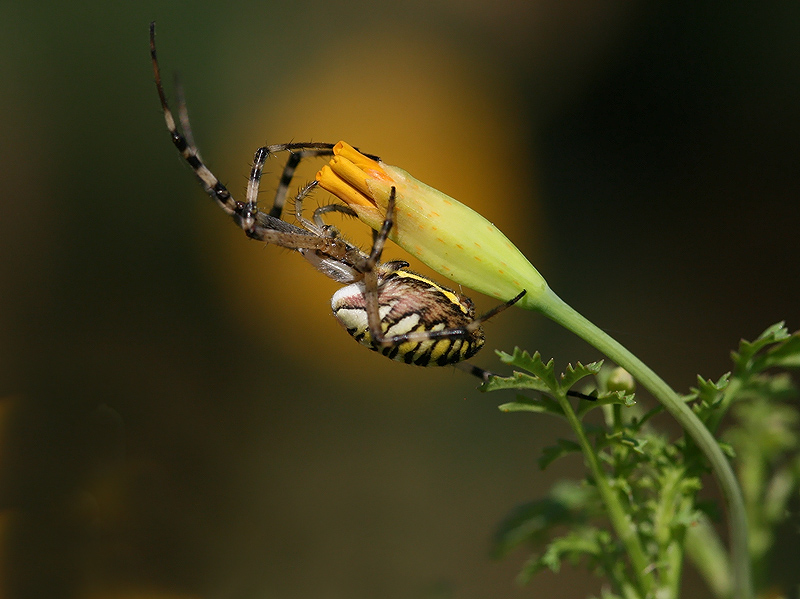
(255, 224)
(331, 208)
(297, 152)
(288, 174)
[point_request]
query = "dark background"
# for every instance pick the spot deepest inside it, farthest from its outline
(182, 417)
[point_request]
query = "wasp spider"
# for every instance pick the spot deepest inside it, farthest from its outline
(401, 314)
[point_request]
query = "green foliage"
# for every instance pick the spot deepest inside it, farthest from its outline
(542, 378)
(653, 480)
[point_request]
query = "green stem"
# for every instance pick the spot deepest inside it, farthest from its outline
(670, 545)
(559, 311)
(616, 410)
(707, 553)
(616, 512)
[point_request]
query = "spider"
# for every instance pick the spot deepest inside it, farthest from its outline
(401, 314)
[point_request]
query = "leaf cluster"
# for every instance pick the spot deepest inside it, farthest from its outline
(759, 399)
(654, 479)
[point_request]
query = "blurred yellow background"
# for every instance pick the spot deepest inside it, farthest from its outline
(184, 418)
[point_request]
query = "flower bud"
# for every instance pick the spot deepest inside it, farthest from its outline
(441, 232)
(620, 379)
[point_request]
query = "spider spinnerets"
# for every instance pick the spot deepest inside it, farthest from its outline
(401, 314)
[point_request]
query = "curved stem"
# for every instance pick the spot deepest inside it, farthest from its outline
(559, 311)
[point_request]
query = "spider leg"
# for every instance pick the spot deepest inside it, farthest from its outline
(183, 115)
(255, 224)
(210, 183)
(283, 185)
(331, 208)
(246, 215)
(288, 174)
(298, 151)
(254, 180)
(580, 395)
(495, 311)
(371, 276)
(419, 336)
(343, 265)
(383, 234)
(260, 158)
(351, 257)
(316, 228)
(477, 371)
(320, 226)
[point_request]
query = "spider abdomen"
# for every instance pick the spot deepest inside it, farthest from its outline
(413, 312)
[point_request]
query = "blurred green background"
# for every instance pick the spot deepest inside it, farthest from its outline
(182, 416)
